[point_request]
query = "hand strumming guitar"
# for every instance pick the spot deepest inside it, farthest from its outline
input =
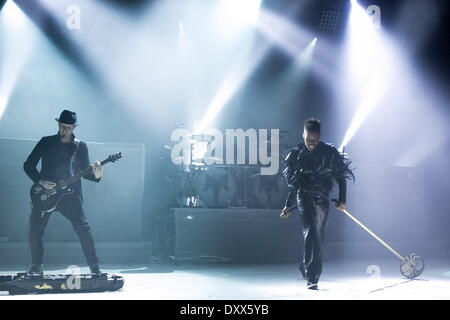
(47, 184)
(98, 170)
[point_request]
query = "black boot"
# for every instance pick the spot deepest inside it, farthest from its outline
(35, 270)
(312, 286)
(95, 269)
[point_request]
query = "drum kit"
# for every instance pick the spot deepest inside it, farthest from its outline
(206, 182)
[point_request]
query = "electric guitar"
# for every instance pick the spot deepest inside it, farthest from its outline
(46, 200)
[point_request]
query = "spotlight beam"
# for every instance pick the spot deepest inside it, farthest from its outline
(290, 83)
(243, 15)
(369, 67)
(3, 104)
(241, 72)
(232, 83)
(292, 40)
(44, 20)
(282, 32)
(15, 47)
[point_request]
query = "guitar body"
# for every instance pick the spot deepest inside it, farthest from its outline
(44, 200)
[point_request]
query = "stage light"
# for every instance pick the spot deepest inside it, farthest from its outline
(330, 20)
(306, 55)
(383, 91)
(13, 16)
(367, 66)
(16, 40)
(241, 12)
(235, 15)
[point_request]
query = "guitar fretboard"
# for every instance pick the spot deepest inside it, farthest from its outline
(82, 173)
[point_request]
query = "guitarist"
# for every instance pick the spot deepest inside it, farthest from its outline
(61, 155)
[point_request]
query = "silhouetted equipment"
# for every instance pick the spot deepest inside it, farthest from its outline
(229, 186)
(228, 234)
(203, 180)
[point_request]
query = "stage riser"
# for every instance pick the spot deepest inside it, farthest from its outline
(235, 235)
(259, 235)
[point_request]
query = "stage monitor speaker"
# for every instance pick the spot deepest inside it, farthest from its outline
(237, 235)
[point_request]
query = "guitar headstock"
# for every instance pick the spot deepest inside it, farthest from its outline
(114, 157)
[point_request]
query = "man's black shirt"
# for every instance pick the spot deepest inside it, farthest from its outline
(314, 173)
(57, 161)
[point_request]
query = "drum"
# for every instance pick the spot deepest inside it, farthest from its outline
(215, 186)
(267, 191)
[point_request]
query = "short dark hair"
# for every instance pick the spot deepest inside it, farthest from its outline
(312, 125)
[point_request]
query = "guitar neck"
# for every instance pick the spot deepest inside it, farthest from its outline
(80, 174)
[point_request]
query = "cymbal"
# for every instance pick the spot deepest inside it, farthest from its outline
(214, 159)
(200, 137)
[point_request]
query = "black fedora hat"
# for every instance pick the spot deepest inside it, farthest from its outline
(68, 117)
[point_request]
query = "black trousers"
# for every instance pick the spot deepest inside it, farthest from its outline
(71, 207)
(314, 217)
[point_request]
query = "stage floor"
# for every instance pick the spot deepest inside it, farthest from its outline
(341, 279)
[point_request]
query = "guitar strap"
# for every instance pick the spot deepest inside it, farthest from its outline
(77, 143)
